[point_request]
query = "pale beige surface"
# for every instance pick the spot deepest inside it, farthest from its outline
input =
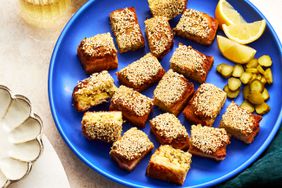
(24, 61)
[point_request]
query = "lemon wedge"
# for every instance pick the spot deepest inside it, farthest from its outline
(234, 51)
(226, 14)
(245, 33)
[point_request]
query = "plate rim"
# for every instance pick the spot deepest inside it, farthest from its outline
(221, 179)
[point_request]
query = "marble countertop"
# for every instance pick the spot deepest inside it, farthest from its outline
(24, 61)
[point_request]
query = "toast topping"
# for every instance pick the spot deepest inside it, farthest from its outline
(238, 118)
(103, 125)
(132, 144)
(185, 57)
(125, 28)
(138, 103)
(195, 23)
(208, 100)
(167, 154)
(169, 126)
(208, 139)
(171, 87)
(142, 70)
(167, 8)
(91, 46)
(159, 33)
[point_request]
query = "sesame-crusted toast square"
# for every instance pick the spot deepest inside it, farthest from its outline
(135, 107)
(142, 73)
(98, 53)
(160, 35)
(205, 104)
(126, 29)
(240, 123)
(92, 91)
(197, 26)
(131, 148)
(173, 92)
(169, 164)
(191, 63)
(168, 130)
(167, 8)
(209, 142)
(105, 126)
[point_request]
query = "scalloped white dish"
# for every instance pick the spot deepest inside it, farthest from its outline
(20, 133)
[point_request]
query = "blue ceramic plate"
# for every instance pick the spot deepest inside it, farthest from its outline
(65, 71)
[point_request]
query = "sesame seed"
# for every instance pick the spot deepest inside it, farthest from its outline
(167, 8)
(171, 88)
(135, 101)
(142, 70)
(106, 126)
(194, 23)
(185, 57)
(208, 139)
(132, 144)
(159, 34)
(168, 125)
(92, 45)
(126, 29)
(208, 100)
(238, 118)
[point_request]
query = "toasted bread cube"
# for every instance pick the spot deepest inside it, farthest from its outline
(98, 53)
(167, 8)
(197, 26)
(105, 126)
(160, 36)
(135, 107)
(209, 142)
(205, 105)
(173, 92)
(240, 123)
(191, 63)
(92, 91)
(168, 130)
(126, 29)
(131, 148)
(142, 73)
(169, 164)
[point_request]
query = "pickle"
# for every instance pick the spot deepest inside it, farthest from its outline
(246, 77)
(268, 76)
(265, 61)
(248, 106)
(238, 71)
(263, 80)
(255, 98)
(252, 70)
(256, 86)
(225, 70)
(260, 70)
(252, 64)
(265, 94)
(231, 94)
(234, 84)
(246, 91)
(262, 108)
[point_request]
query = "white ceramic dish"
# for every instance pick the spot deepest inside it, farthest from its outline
(20, 137)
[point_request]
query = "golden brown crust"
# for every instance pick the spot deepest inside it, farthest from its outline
(219, 155)
(119, 104)
(246, 124)
(179, 102)
(124, 23)
(142, 73)
(185, 59)
(159, 35)
(169, 164)
(100, 57)
(191, 117)
(205, 39)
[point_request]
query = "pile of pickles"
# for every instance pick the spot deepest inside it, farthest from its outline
(254, 77)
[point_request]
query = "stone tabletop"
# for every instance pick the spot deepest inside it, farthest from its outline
(24, 61)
